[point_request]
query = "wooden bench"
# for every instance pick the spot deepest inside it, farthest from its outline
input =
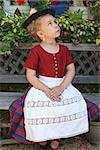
(86, 59)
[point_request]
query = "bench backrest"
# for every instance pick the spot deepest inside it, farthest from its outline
(86, 59)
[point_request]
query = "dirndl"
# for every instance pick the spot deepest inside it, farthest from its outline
(45, 119)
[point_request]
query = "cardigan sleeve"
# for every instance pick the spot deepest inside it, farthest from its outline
(32, 60)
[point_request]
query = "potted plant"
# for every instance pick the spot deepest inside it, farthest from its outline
(94, 9)
(12, 35)
(74, 27)
(79, 5)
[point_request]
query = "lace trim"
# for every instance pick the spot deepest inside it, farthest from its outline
(53, 104)
(41, 121)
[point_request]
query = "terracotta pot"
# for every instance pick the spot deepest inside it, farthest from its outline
(93, 136)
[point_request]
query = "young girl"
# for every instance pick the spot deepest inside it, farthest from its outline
(53, 107)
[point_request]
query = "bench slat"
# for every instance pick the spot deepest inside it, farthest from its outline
(95, 97)
(84, 79)
(13, 79)
(72, 47)
(6, 98)
(8, 141)
(79, 79)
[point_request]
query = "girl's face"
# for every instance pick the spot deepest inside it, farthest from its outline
(48, 28)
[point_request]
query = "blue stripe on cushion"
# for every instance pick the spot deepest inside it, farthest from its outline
(95, 114)
(19, 115)
(12, 108)
(17, 136)
(18, 125)
(91, 106)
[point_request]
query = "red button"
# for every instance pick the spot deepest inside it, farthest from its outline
(56, 68)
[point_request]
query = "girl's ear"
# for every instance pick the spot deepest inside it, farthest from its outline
(40, 34)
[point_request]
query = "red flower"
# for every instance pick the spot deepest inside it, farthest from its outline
(54, 2)
(20, 2)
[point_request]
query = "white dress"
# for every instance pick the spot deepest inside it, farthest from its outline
(47, 120)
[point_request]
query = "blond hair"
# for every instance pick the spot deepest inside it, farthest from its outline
(33, 27)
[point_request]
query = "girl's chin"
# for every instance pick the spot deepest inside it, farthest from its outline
(57, 36)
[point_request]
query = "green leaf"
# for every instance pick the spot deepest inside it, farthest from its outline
(2, 22)
(72, 28)
(15, 30)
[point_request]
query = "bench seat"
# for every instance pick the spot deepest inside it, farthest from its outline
(6, 98)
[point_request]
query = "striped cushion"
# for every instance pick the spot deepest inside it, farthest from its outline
(17, 129)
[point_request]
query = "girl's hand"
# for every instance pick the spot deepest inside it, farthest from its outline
(56, 93)
(49, 92)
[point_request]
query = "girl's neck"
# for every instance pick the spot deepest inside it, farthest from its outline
(51, 47)
(47, 43)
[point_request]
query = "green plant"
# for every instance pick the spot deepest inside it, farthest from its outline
(41, 4)
(12, 34)
(2, 13)
(94, 7)
(1, 3)
(73, 26)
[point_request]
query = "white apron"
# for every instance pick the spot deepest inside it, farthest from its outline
(48, 120)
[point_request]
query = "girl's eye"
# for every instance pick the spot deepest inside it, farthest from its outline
(49, 23)
(56, 22)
